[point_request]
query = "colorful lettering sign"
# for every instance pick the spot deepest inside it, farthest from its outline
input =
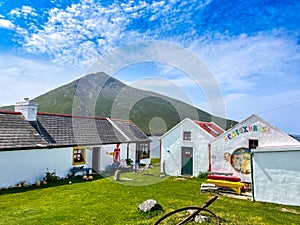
(244, 130)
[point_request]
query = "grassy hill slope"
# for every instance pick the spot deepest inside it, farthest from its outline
(102, 95)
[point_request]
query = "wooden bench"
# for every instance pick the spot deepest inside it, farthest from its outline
(75, 170)
(236, 186)
(223, 177)
(220, 173)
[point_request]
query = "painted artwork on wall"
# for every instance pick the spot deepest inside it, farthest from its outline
(240, 160)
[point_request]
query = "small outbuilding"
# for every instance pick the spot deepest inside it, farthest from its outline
(184, 148)
(230, 153)
(276, 175)
(32, 142)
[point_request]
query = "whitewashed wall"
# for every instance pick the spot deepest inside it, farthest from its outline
(172, 143)
(88, 155)
(276, 176)
(266, 135)
(31, 165)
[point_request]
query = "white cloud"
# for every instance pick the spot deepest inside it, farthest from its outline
(25, 11)
(79, 34)
(106, 26)
(6, 24)
(21, 77)
(15, 12)
(71, 42)
(236, 60)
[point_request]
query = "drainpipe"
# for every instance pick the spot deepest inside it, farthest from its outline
(127, 150)
(209, 158)
(252, 172)
(160, 150)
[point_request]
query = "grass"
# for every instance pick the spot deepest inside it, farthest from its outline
(103, 201)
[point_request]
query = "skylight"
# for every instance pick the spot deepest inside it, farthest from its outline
(211, 129)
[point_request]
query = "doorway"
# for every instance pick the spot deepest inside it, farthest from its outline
(187, 161)
(96, 159)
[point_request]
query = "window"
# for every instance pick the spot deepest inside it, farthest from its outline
(78, 155)
(143, 150)
(187, 135)
(212, 129)
(253, 144)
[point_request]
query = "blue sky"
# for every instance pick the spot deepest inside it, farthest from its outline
(251, 48)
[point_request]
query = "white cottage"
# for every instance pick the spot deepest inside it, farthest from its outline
(184, 148)
(231, 151)
(31, 143)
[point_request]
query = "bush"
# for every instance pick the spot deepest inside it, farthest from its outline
(203, 175)
(51, 176)
(129, 161)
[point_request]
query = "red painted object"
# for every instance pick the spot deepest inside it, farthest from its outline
(227, 178)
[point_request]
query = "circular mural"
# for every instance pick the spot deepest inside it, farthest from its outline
(240, 160)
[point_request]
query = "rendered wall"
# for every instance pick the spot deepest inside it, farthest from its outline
(276, 177)
(172, 143)
(223, 147)
(88, 155)
(31, 165)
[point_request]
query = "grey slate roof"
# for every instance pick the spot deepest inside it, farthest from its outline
(297, 137)
(130, 130)
(16, 132)
(55, 130)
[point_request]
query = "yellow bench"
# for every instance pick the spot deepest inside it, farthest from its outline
(236, 186)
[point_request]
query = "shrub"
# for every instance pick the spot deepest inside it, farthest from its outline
(129, 161)
(51, 176)
(203, 175)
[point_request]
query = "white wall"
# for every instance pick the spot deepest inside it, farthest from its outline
(88, 155)
(265, 134)
(172, 143)
(276, 177)
(31, 165)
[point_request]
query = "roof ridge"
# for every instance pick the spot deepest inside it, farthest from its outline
(10, 112)
(71, 115)
(122, 120)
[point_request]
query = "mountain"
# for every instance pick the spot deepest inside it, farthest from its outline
(102, 95)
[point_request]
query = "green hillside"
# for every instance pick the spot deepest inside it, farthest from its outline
(102, 95)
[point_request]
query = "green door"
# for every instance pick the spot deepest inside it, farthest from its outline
(187, 161)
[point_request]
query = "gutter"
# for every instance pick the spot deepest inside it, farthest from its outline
(282, 149)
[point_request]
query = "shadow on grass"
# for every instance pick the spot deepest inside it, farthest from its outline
(61, 182)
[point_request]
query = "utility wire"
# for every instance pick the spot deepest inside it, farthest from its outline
(273, 109)
(279, 107)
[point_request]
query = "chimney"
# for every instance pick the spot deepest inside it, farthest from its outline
(27, 108)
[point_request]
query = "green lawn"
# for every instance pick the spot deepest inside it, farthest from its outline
(104, 201)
